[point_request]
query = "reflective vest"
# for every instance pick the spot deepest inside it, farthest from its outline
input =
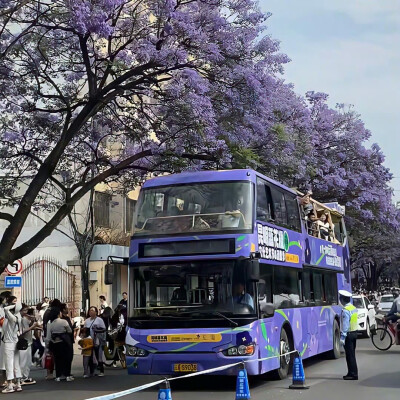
(353, 317)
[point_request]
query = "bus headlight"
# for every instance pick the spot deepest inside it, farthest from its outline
(361, 315)
(135, 351)
(241, 350)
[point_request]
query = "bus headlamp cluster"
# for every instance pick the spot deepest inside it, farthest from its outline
(241, 350)
(135, 351)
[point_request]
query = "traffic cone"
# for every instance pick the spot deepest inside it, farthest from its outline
(165, 391)
(242, 384)
(299, 379)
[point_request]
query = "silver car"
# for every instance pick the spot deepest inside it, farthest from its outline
(385, 304)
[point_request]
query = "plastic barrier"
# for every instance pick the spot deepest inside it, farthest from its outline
(242, 385)
(207, 371)
(165, 391)
(299, 378)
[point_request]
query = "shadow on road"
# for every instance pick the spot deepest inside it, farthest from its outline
(386, 380)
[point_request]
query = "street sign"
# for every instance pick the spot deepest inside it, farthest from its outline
(15, 268)
(12, 281)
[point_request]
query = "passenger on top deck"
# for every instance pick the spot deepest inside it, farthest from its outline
(324, 227)
(306, 204)
(312, 225)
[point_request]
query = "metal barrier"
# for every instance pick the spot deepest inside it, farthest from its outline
(44, 277)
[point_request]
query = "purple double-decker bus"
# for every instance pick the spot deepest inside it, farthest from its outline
(228, 266)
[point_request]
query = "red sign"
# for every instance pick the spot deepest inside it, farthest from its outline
(15, 268)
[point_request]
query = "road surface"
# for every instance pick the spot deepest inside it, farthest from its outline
(379, 374)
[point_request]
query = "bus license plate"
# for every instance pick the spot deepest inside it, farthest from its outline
(185, 367)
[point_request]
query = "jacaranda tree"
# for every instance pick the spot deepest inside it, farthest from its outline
(106, 90)
(95, 91)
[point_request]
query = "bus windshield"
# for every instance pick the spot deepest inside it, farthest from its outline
(195, 290)
(222, 206)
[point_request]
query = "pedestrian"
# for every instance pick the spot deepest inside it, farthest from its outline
(118, 334)
(65, 316)
(86, 344)
(103, 304)
(9, 357)
(28, 325)
(54, 309)
(37, 346)
(124, 304)
(77, 323)
(124, 301)
(98, 334)
(348, 337)
(3, 303)
(106, 316)
(394, 313)
(58, 341)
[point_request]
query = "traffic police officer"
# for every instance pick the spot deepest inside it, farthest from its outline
(348, 334)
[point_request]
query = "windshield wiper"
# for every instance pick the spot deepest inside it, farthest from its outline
(235, 324)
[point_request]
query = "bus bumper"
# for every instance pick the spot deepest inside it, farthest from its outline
(167, 364)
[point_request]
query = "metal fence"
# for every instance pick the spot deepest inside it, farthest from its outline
(44, 277)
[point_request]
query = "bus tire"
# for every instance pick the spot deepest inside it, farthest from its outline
(285, 362)
(335, 352)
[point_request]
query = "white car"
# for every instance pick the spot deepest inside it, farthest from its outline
(366, 315)
(385, 304)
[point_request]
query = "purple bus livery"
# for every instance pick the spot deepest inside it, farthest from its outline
(228, 266)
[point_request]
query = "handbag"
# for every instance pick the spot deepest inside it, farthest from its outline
(49, 362)
(22, 343)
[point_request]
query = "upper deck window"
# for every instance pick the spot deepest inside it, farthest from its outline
(277, 206)
(198, 207)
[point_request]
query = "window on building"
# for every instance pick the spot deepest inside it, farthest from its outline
(101, 209)
(129, 213)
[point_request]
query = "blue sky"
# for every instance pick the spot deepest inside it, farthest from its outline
(349, 49)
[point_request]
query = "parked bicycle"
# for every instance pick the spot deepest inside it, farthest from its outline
(384, 336)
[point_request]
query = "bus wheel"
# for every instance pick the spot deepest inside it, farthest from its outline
(335, 352)
(283, 370)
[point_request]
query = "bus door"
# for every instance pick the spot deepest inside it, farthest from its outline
(267, 333)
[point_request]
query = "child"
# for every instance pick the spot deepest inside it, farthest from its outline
(86, 344)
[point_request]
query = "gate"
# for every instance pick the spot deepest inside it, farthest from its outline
(44, 277)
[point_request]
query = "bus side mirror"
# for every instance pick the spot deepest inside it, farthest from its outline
(268, 310)
(109, 271)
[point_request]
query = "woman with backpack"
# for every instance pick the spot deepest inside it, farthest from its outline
(10, 355)
(58, 342)
(98, 333)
